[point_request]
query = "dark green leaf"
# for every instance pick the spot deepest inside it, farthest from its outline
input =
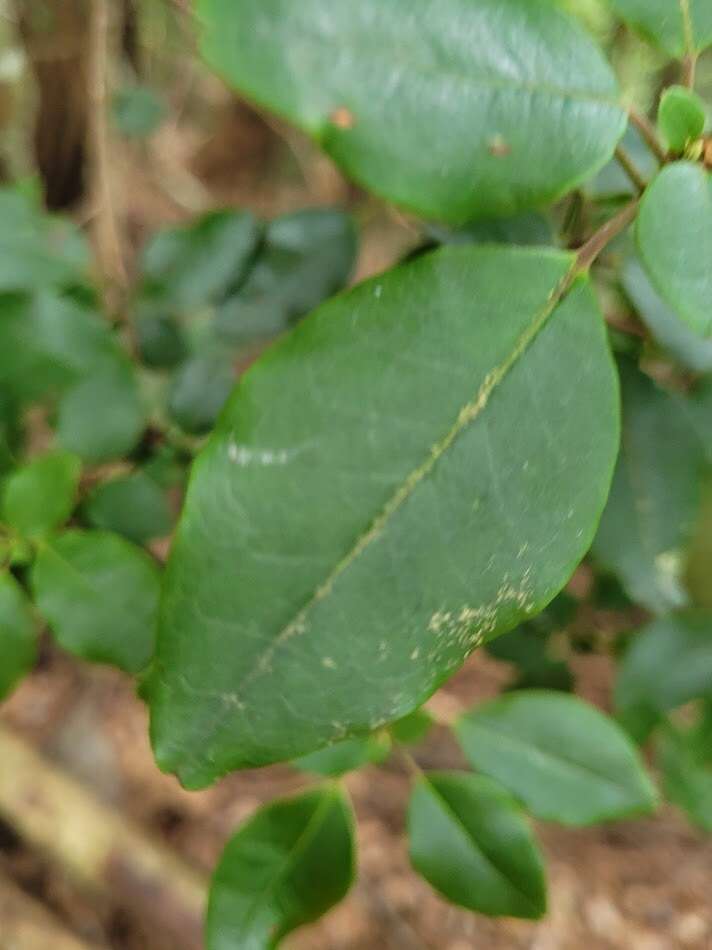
(306, 258)
(527, 229)
(562, 758)
(36, 250)
(682, 117)
(18, 640)
(470, 841)
(452, 108)
(288, 865)
(99, 595)
(200, 263)
(102, 417)
(655, 495)
(161, 343)
(668, 664)
(346, 756)
(663, 22)
(10, 432)
(687, 778)
(40, 496)
(445, 428)
(132, 505)
(199, 390)
(675, 240)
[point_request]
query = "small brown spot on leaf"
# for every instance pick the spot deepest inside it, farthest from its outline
(498, 146)
(342, 118)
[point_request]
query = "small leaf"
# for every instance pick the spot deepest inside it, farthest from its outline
(451, 108)
(682, 117)
(528, 229)
(199, 391)
(137, 111)
(687, 778)
(132, 505)
(99, 595)
(412, 728)
(675, 239)
(655, 496)
(102, 417)
(200, 263)
(18, 639)
(664, 22)
(40, 496)
(160, 341)
(668, 664)
(343, 757)
(287, 866)
(470, 841)
(36, 250)
(562, 758)
(381, 448)
(306, 257)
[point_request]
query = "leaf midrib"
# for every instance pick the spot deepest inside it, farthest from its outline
(467, 415)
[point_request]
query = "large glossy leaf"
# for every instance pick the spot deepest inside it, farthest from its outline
(18, 641)
(655, 495)
(417, 468)
(676, 26)
(668, 664)
(675, 240)
(563, 758)
(288, 865)
(40, 496)
(99, 595)
(452, 108)
(470, 840)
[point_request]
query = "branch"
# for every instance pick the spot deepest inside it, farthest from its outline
(99, 847)
(27, 925)
(588, 253)
(106, 231)
(631, 170)
(647, 132)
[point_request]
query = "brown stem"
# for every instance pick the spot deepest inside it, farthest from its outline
(588, 253)
(647, 131)
(97, 846)
(107, 234)
(26, 925)
(629, 167)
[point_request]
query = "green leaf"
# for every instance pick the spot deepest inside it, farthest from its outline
(287, 866)
(527, 229)
(10, 432)
(199, 391)
(137, 111)
(102, 417)
(99, 594)
(40, 496)
(197, 264)
(36, 250)
(561, 757)
(18, 639)
(343, 757)
(445, 428)
(682, 117)
(306, 257)
(453, 109)
(668, 664)
(655, 496)
(471, 842)
(675, 239)
(675, 336)
(676, 26)
(132, 505)
(160, 341)
(412, 728)
(687, 778)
